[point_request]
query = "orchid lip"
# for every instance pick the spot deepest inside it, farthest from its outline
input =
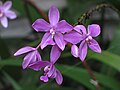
(47, 68)
(88, 39)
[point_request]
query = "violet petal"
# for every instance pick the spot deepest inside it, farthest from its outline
(83, 50)
(93, 30)
(74, 51)
(63, 26)
(40, 25)
(24, 50)
(47, 40)
(59, 41)
(51, 71)
(73, 37)
(7, 5)
(53, 15)
(28, 58)
(55, 54)
(4, 21)
(59, 78)
(44, 78)
(80, 28)
(38, 56)
(38, 65)
(93, 45)
(10, 14)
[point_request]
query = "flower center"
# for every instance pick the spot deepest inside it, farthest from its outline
(47, 69)
(1, 13)
(88, 39)
(52, 31)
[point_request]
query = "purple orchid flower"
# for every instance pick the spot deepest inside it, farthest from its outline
(54, 30)
(32, 56)
(87, 40)
(73, 37)
(5, 13)
(49, 69)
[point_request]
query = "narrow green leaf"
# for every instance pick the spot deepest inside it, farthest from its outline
(107, 58)
(10, 62)
(15, 85)
(115, 43)
(81, 75)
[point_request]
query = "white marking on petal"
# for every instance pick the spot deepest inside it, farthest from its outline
(52, 31)
(88, 39)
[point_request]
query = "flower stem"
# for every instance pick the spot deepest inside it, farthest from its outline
(38, 46)
(97, 8)
(85, 64)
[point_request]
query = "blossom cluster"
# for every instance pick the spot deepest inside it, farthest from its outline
(5, 13)
(58, 34)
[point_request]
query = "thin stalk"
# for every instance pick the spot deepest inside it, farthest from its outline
(85, 64)
(97, 8)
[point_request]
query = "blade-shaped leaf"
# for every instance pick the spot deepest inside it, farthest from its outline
(10, 62)
(15, 85)
(107, 58)
(81, 75)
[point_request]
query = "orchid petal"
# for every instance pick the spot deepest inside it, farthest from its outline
(38, 56)
(73, 37)
(55, 54)
(28, 58)
(7, 5)
(10, 14)
(40, 25)
(47, 40)
(59, 78)
(54, 74)
(24, 50)
(4, 21)
(53, 15)
(93, 45)
(38, 65)
(59, 41)
(93, 30)
(44, 78)
(51, 71)
(63, 27)
(74, 51)
(83, 50)
(80, 28)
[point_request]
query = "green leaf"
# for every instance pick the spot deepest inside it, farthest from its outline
(107, 58)
(81, 75)
(10, 62)
(18, 5)
(53, 87)
(115, 43)
(15, 85)
(29, 79)
(4, 50)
